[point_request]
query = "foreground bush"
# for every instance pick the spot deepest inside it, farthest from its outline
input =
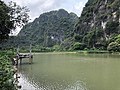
(6, 74)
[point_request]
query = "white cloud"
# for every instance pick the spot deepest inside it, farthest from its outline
(48, 3)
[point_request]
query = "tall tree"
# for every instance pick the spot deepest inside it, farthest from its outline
(11, 16)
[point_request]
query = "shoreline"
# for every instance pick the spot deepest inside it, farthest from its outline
(74, 52)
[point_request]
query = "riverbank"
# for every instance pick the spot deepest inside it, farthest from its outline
(7, 71)
(47, 50)
(73, 52)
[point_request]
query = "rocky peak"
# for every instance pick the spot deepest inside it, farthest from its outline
(100, 15)
(50, 28)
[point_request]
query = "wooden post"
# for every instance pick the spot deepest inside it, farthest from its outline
(30, 55)
(30, 58)
(20, 61)
(16, 62)
(30, 49)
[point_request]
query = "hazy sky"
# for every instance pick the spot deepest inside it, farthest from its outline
(38, 7)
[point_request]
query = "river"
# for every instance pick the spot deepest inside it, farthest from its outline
(57, 71)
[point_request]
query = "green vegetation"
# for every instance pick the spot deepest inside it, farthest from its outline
(99, 25)
(6, 71)
(112, 27)
(7, 80)
(5, 23)
(11, 16)
(78, 46)
(114, 45)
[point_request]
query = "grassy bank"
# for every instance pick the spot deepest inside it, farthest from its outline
(65, 52)
(93, 51)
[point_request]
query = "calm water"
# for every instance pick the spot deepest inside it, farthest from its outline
(71, 72)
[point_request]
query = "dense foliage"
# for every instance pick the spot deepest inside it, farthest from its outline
(78, 46)
(99, 22)
(6, 73)
(114, 45)
(11, 16)
(5, 24)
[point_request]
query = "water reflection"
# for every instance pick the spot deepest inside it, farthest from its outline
(28, 81)
(79, 85)
(27, 84)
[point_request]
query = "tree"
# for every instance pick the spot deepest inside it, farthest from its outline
(18, 15)
(11, 16)
(112, 27)
(5, 24)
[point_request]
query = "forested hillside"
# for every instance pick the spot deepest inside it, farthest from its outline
(49, 29)
(99, 25)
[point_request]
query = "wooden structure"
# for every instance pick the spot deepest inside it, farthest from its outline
(19, 57)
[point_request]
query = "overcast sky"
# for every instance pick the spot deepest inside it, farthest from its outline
(38, 7)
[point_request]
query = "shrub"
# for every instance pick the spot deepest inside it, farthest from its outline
(56, 47)
(78, 46)
(6, 74)
(114, 47)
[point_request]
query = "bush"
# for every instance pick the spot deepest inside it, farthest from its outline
(118, 39)
(114, 47)
(78, 46)
(56, 47)
(6, 74)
